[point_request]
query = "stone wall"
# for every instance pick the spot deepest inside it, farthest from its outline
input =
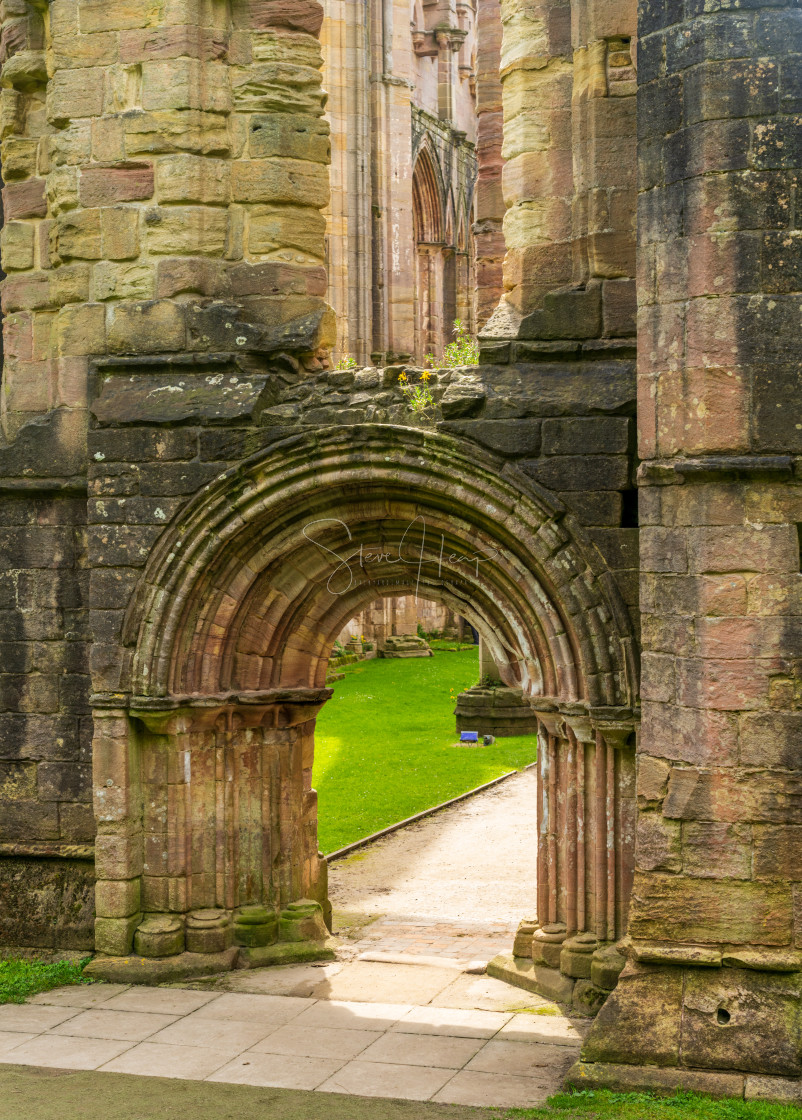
(568, 78)
(165, 168)
(713, 981)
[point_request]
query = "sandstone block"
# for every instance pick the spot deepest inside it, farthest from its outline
(172, 42)
(107, 140)
(175, 130)
(69, 284)
(646, 1006)
(75, 93)
(17, 246)
(114, 936)
(742, 1019)
(293, 227)
(294, 15)
(76, 235)
(24, 200)
(289, 135)
(117, 898)
(124, 281)
(715, 850)
(27, 291)
(190, 178)
(81, 330)
(105, 186)
(185, 83)
(119, 232)
(191, 230)
(198, 275)
(291, 181)
(679, 908)
(20, 158)
(150, 327)
(658, 845)
(97, 15)
(62, 190)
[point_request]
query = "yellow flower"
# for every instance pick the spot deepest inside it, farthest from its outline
(425, 375)
(402, 376)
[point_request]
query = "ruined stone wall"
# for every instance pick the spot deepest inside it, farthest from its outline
(489, 207)
(715, 969)
(568, 80)
(165, 167)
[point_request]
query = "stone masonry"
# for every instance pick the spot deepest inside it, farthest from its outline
(185, 480)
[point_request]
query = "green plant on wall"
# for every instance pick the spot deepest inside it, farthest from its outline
(347, 362)
(418, 396)
(463, 351)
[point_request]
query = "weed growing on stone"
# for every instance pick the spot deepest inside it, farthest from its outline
(347, 362)
(589, 1105)
(418, 396)
(21, 979)
(463, 351)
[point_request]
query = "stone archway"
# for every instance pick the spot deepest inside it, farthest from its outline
(205, 773)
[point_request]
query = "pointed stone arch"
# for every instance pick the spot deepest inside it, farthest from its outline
(427, 197)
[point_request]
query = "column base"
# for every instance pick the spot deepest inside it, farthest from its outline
(161, 970)
(287, 952)
(522, 972)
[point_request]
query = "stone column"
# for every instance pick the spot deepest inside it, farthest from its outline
(346, 79)
(488, 234)
(536, 75)
(568, 950)
(715, 971)
(203, 806)
(393, 233)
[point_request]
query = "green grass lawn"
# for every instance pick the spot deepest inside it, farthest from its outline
(385, 745)
(644, 1106)
(20, 979)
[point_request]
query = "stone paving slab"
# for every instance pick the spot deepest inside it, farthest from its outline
(28, 1093)
(413, 1051)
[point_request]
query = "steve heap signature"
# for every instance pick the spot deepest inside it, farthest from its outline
(409, 554)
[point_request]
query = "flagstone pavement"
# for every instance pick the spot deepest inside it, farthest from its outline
(446, 1036)
(406, 1011)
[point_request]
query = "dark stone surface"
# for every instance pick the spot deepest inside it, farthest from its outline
(47, 903)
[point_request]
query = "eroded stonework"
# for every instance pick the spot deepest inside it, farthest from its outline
(180, 462)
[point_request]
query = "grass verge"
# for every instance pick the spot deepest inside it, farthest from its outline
(644, 1106)
(20, 979)
(386, 748)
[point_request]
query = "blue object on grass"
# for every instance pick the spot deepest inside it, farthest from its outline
(469, 737)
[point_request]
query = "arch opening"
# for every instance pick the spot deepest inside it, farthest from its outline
(229, 634)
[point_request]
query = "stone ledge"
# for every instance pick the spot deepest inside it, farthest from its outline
(523, 973)
(161, 970)
(655, 1079)
(287, 952)
(674, 472)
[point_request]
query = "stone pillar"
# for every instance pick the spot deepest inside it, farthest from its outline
(569, 178)
(489, 204)
(715, 963)
(203, 806)
(346, 79)
(393, 231)
(568, 950)
(536, 75)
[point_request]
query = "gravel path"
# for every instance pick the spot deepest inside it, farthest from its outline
(455, 885)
